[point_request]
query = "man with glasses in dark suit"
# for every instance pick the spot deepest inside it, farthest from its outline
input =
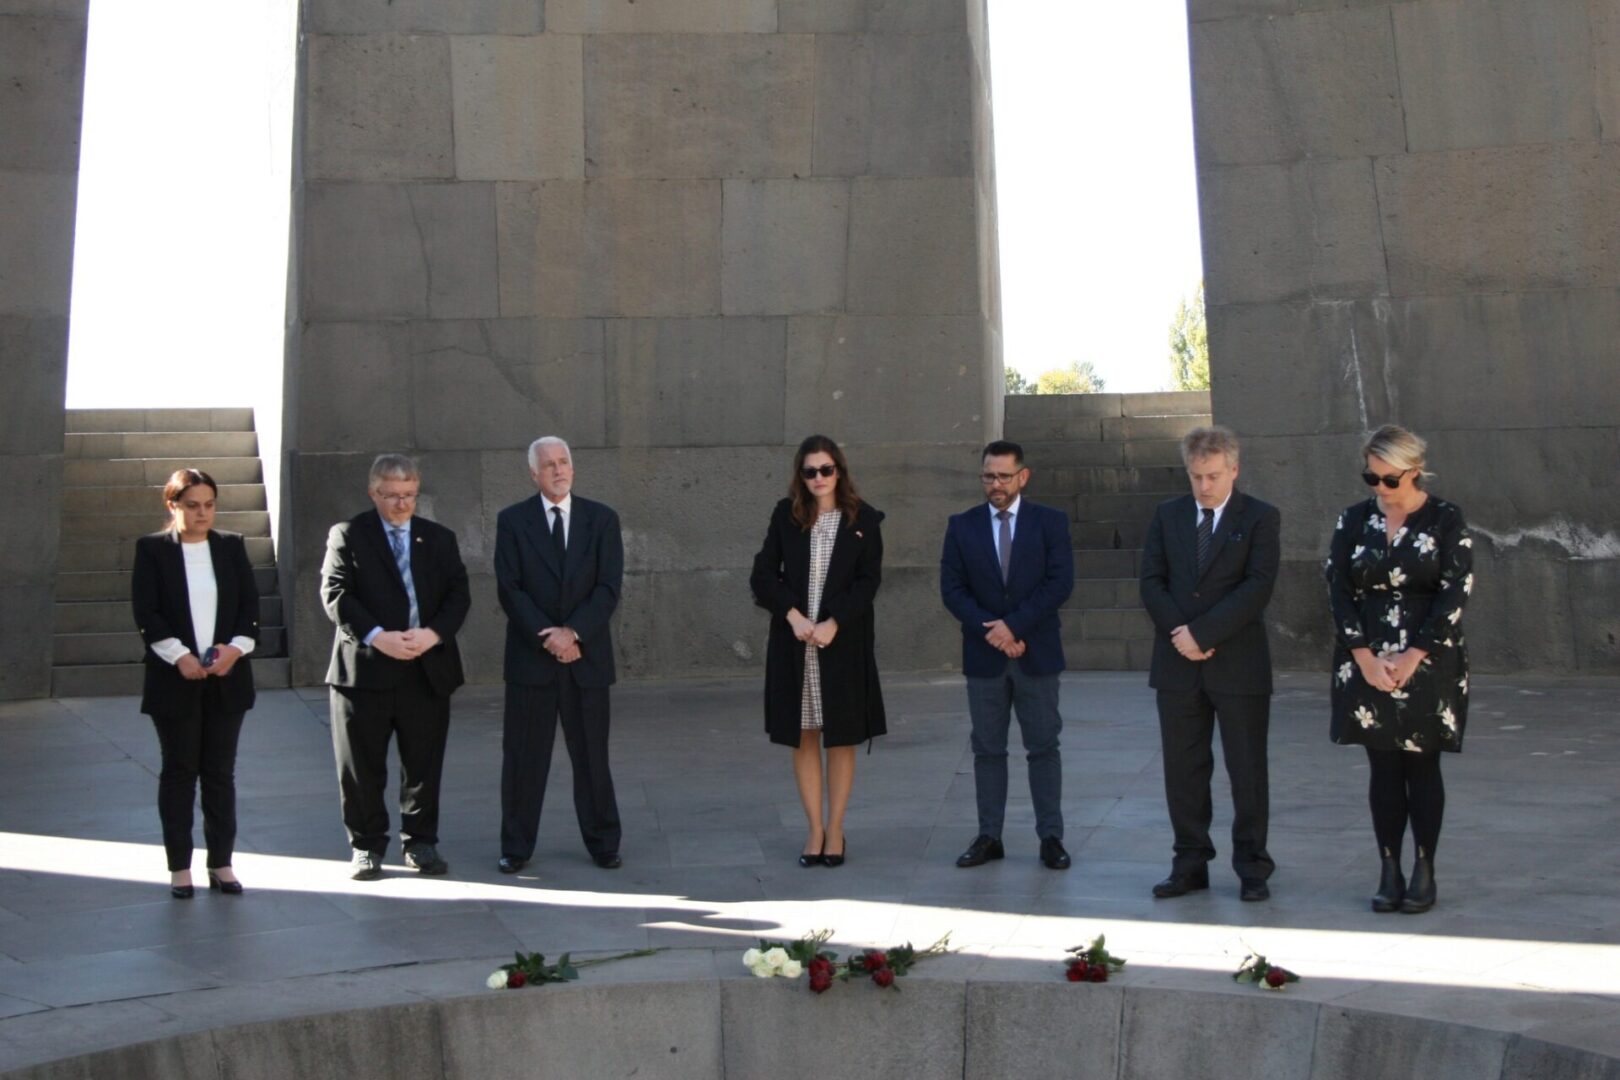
(1007, 567)
(395, 587)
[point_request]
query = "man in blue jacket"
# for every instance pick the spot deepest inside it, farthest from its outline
(1007, 567)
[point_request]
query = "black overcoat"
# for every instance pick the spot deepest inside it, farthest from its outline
(851, 697)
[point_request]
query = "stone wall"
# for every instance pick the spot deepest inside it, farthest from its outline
(42, 48)
(1411, 213)
(681, 235)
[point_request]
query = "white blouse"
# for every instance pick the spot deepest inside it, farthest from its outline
(203, 591)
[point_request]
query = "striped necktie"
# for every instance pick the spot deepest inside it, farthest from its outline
(402, 559)
(1206, 532)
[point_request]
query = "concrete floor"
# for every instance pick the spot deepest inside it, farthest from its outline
(93, 953)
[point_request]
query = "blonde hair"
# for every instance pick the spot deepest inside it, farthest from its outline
(1401, 448)
(1203, 441)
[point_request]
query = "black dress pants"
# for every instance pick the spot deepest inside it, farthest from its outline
(1187, 721)
(363, 721)
(530, 732)
(199, 746)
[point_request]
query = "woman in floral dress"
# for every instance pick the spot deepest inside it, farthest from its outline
(1398, 575)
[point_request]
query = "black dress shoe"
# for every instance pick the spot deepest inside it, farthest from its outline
(182, 892)
(1053, 855)
(608, 860)
(1420, 892)
(1180, 883)
(1391, 887)
(982, 850)
(511, 864)
(1253, 890)
(229, 888)
(808, 861)
(829, 859)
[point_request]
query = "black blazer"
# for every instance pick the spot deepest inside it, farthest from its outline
(361, 588)
(851, 697)
(162, 604)
(536, 592)
(1223, 606)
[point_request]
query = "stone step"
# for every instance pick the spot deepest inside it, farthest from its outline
(1103, 428)
(125, 647)
(1132, 655)
(1021, 407)
(1107, 562)
(113, 616)
(82, 556)
(1129, 506)
(114, 585)
(1049, 483)
(1104, 593)
(1043, 455)
(146, 500)
(127, 420)
(139, 472)
(1108, 534)
(83, 528)
(124, 680)
(166, 444)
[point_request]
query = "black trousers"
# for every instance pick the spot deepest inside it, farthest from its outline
(529, 733)
(199, 746)
(1186, 727)
(362, 723)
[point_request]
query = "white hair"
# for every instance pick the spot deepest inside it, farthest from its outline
(393, 467)
(545, 440)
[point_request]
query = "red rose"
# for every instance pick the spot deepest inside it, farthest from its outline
(876, 960)
(1275, 977)
(820, 981)
(819, 965)
(1077, 971)
(1097, 973)
(883, 976)
(515, 979)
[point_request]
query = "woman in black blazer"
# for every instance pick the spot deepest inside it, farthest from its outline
(817, 574)
(199, 683)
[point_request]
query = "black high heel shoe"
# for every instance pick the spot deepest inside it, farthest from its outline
(1391, 886)
(808, 861)
(182, 892)
(229, 888)
(835, 860)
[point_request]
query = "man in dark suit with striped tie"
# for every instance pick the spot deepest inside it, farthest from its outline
(559, 564)
(395, 587)
(1208, 566)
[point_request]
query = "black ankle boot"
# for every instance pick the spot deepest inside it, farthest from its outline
(1391, 885)
(1420, 894)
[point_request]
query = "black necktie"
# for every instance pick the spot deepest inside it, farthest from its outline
(1206, 530)
(558, 540)
(1004, 541)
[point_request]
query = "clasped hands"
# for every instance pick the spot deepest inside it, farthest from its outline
(561, 642)
(820, 634)
(999, 636)
(1187, 645)
(1389, 672)
(193, 669)
(405, 644)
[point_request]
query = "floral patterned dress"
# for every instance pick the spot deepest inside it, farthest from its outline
(1391, 593)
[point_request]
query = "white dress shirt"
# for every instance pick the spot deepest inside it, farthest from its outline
(1219, 510)
(567, 508)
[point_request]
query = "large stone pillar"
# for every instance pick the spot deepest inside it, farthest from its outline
(42, 47)
(681, 235)
(1411, 214)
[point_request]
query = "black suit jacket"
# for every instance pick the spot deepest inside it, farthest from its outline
(162, 604)
(580, 593)
(1223, 606)
(361, 588)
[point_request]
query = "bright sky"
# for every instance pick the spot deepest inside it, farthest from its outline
(179, 272)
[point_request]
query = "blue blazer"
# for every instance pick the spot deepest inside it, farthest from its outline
(1042, 577)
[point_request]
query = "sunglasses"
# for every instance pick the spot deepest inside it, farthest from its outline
(810, 472)
(1372, 479)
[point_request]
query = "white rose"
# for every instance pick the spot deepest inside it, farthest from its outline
(497, 981)
(751, 959)
(792, 969)
(776, 959)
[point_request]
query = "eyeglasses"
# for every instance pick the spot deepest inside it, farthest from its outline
(409, 497)
(810, 472)
(990, 479)
(1372, 479)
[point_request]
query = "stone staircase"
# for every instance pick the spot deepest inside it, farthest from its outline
(1109, 460)
(116, 461)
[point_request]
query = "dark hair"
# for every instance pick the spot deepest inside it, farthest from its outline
(804, 503)
(1003, 447)
(182, 479)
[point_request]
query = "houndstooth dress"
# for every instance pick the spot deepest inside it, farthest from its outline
(823, 534)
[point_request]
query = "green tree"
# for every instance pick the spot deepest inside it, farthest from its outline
(1016, 383)
(1079, 377)
(1189, 345)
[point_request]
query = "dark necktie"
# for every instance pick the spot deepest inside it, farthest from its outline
(558, 540)
(1004, 541)
(1206, 531)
